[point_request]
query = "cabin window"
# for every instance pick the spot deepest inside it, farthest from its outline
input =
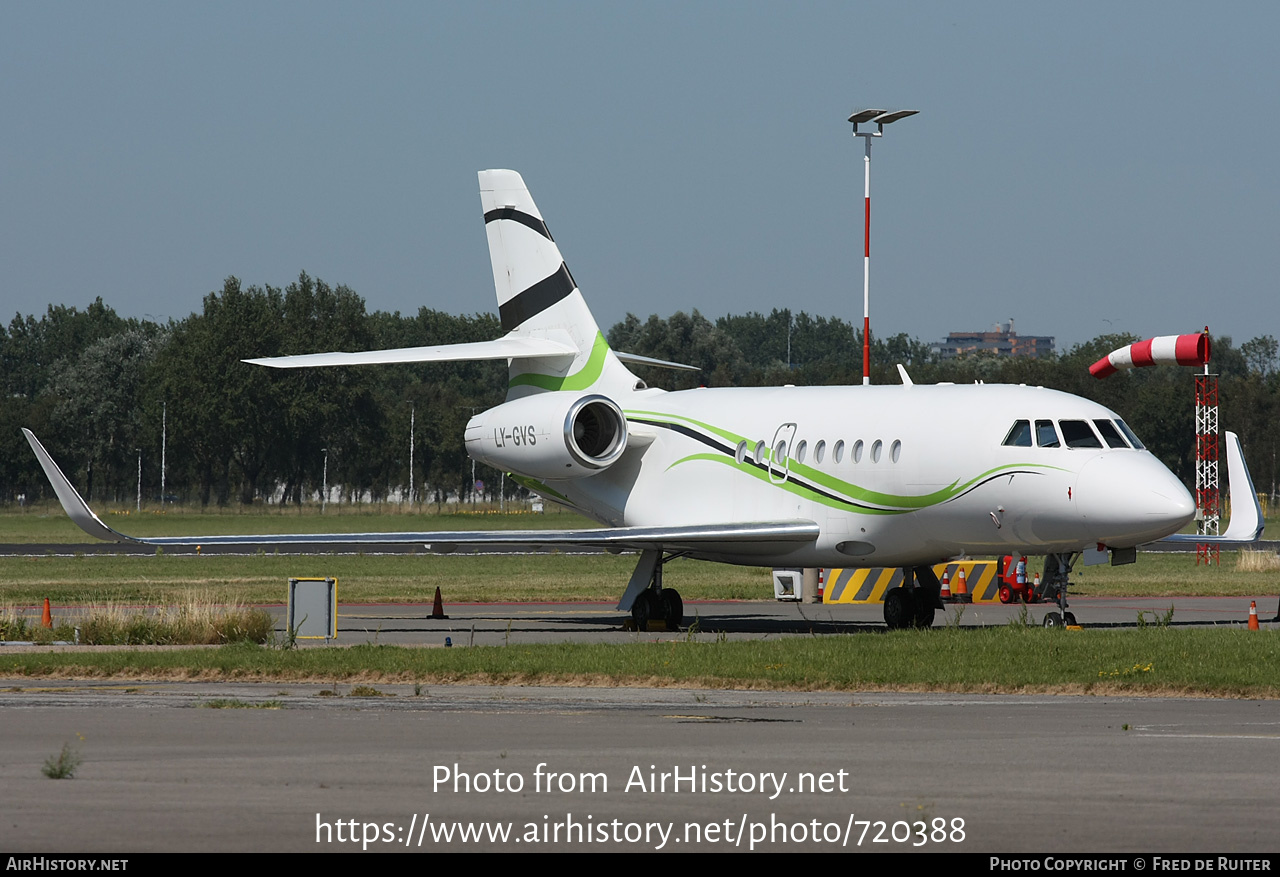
(1077, 434)
(819, 451)
(875, 451)
(837, 453)
(895, 450)
(1019, 435)
(759, 455)
(857, 451)
(802, 450)
(741, 453)
(1128, 433)
(780, 453)
(1046, 435)
(1109, 434)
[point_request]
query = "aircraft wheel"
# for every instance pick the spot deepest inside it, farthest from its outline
(924, 611)
(1006, 594)
(1053, 619)
(1069, 619)
(642, 610)
(672, 608)
(899, 609)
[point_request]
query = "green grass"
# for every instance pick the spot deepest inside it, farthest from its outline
(1168, 574)
(361, 579)
(491, 578)
(1152, 661)
(231, 703)
(62, 766)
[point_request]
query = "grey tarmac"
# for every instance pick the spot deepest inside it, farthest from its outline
(1035, 774)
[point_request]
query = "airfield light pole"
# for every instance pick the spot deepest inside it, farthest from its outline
(879, 118)
(139, 508)
(324, 490)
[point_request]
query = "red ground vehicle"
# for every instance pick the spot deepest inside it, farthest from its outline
(1011, 590)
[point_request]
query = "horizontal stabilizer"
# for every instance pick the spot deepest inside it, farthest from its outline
(509, 347)
(1246, 521)
(761, 535)
(637, 359)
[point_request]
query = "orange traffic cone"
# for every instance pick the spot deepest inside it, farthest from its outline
(1253, 614)
(946, 585)
(46, 618)
(437, 608)
(962, 585)
(822, 583)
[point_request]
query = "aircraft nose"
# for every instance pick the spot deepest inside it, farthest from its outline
(1129, 497)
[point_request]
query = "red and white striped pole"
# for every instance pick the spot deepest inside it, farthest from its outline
(880, 118)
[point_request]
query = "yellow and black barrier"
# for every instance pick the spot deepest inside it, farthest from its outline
(869, 585)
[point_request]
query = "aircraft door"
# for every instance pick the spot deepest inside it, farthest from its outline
(780, 455)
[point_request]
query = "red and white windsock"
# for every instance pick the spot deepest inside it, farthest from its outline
(1165, 350)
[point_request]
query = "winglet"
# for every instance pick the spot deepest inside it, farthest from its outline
(75, 507)
(1246, 514)
(1246, 522)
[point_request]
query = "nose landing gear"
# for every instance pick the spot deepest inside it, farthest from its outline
(1057, 571)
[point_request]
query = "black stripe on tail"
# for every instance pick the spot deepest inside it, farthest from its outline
(511, 213)
(537, 298)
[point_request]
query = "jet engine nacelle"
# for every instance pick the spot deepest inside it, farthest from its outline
(550, 435)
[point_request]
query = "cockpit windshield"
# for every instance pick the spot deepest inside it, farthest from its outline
(1077, 434)
(1109, 434)
(1128, 433)
(1019, 435)
(1046, 435)
(1097, 433)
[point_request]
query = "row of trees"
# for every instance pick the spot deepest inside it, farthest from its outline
(100, 390)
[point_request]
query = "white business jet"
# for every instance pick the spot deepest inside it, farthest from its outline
(888, 476)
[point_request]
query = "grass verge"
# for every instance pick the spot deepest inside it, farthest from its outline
(195, 620)
(1152, 661)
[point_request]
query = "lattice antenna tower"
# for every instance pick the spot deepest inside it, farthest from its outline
(1208, 498)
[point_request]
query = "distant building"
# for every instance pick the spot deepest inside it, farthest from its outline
(999, 341)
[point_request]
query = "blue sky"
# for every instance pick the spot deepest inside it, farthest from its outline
(1082, 168)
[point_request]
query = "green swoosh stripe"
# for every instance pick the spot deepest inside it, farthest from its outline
(859, 496)
(791, 486)
(579, 380)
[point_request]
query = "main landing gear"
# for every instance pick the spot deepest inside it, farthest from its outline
(1057, 569)
(913, 604)
(647, 599)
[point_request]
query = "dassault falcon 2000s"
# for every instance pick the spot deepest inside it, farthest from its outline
(777, 477)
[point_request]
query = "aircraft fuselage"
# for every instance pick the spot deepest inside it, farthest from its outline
(893, 475)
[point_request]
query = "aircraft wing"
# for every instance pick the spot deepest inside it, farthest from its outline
(1246, 521)
(751, 537)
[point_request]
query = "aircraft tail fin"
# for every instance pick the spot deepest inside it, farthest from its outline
(552, 341)
(538, 297)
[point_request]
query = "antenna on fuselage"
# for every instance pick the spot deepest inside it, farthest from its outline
(879, 118)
